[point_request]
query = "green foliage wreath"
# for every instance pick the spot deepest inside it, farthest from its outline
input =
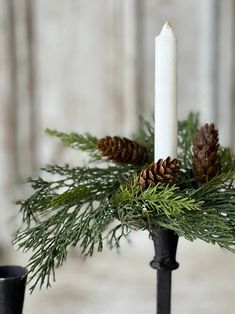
(104, 202)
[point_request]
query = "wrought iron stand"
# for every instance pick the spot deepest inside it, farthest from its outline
(12, 289)
(165, 246)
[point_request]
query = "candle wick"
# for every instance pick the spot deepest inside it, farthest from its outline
(167, 24)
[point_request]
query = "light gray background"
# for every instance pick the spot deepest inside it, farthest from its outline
(79, 65)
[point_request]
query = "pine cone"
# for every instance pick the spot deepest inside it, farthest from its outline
(123, 150)
(205, 153)
(162, 171)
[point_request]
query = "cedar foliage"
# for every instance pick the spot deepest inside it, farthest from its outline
(92, 205)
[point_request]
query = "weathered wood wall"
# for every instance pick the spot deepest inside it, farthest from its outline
(89, 66)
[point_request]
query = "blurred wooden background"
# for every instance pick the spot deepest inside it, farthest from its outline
(88, 65)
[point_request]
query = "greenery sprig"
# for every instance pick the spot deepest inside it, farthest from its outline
(89, 206)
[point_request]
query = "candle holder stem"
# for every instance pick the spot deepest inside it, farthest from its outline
(165, 246)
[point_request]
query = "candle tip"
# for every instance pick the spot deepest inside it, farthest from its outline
(167, 30)
(167, 25)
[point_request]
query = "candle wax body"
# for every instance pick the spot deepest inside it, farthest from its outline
(165, 95)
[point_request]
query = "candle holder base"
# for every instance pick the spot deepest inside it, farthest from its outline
(165, 246)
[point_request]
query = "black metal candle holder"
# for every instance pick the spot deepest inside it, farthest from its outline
(12, 289)
(165, 246)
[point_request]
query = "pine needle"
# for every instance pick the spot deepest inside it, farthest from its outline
(87, 206)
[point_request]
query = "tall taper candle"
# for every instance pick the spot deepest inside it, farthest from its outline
(165, 94)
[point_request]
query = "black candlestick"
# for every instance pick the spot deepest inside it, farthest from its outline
(12, 289)
(165, 246)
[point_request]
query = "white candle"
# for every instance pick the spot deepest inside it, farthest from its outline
(208, 61)
(165, 143)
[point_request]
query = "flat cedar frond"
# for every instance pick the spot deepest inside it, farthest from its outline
(207, 213)
(66, 210)
(227, 160)
(84, 142)
(216, 185)
(187, 130)
(116, 234)
(148, 206)
(87, 206)
(49, 239)
(73, 187)
(145, 137)
(215, 223)
(206, 225)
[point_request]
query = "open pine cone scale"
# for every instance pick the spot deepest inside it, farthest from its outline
(163, 171)
(123, 150)
(205, 153)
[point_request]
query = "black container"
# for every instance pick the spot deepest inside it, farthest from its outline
(12, 289)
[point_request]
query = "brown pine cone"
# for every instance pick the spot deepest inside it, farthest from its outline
(162, 171)
(123, 150)
(205, 153)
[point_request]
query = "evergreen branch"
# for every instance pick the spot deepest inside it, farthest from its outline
(145, 137)
(207, 213)
(186, 133)
(227, 160)
(86, 206)
(216, 186)
(206, 225)
(215, 223)
(116, 234)
(84, 142)
(62, 212)
(73, 185)
(49, 239)
(145, 208)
